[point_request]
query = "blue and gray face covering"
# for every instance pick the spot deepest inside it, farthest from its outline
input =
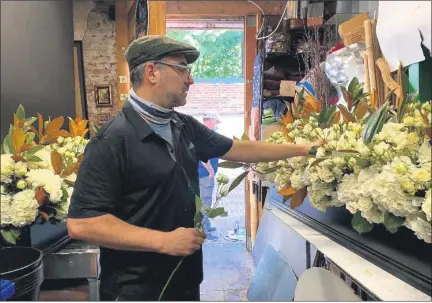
(149, 111)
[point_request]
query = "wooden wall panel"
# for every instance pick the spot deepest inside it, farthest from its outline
(122, 42)
(157, 17)
(131, 9)
(250, 30)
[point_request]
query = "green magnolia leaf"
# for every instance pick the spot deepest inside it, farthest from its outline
(198, 215)
(410, 98)
(215, 212)
(347, 97)
(34, 149)
(245, 137)
(360, 224)
(353, 85)
(30, 137)
(10, 235)
(20, 113)
(29, 121)
(316, 162)
(32, 158)
(230, 164)
(375, 124)
(358, 91)
(328, 117)
(7, 142)
(389, 95)
(392, 222)
(237, 181)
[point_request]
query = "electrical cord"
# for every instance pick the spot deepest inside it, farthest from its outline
(277, 27)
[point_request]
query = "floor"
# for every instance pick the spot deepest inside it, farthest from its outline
(228, 266)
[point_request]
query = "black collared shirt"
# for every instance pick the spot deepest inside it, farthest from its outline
(128, 172)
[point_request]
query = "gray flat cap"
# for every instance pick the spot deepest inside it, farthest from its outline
(150, 48)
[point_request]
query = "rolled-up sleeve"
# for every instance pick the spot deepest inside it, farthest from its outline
(98, 185)
(208, 143)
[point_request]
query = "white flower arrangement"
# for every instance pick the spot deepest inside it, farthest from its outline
(37, 179)
(376, 162)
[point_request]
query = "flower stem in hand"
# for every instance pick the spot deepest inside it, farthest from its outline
(169, 279)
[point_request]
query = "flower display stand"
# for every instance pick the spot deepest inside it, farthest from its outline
(401, 254)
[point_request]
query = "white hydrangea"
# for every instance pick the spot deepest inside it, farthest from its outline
(321, 195)
(19, 210)
(299, 179)
(426, 206)
(48, 180)
(388, 194)
(420, 226)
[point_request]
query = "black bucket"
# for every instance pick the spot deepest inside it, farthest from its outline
(24, 267)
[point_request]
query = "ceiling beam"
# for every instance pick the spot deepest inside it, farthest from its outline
(222, 8)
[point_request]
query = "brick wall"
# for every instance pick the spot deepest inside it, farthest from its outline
(222, 98)
(99, 56)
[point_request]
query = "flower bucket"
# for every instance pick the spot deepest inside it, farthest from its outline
(22, 266)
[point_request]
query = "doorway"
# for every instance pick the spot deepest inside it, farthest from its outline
(219, 90)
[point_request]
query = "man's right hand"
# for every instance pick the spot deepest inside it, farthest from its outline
(183, 242)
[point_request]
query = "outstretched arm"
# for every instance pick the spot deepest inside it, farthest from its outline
(258, 151)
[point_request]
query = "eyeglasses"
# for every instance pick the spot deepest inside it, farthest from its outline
(181, 68)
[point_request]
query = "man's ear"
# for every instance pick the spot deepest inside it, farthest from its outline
(150, 72)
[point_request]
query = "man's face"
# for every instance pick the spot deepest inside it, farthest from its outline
(173, 80)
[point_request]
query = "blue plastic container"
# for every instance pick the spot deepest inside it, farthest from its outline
(7, 289)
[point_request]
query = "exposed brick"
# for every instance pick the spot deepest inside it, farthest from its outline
(100, 63)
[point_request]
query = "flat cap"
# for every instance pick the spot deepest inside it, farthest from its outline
(150, 48)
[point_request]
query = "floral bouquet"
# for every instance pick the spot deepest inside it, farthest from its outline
(37, 179)
(376, 162)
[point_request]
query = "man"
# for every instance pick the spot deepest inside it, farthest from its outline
(206, 173)
(134, 193)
